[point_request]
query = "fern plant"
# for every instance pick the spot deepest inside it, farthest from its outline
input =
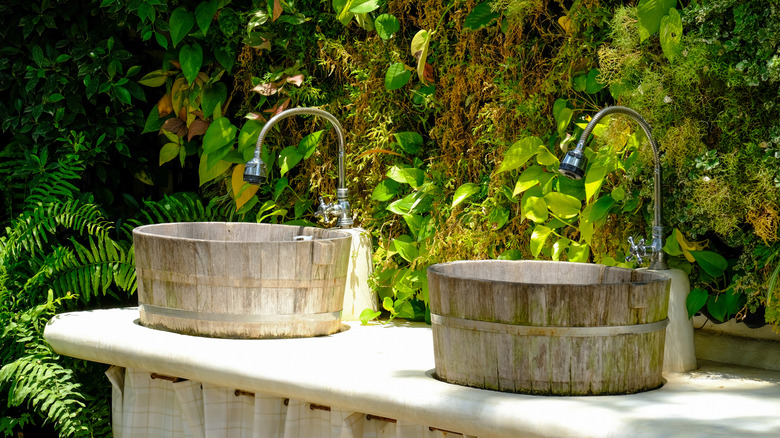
(58, 253)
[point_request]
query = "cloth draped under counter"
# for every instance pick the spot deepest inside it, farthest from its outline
(150, 405)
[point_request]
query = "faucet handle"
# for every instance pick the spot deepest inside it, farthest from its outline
(322, 210)
(637, 251)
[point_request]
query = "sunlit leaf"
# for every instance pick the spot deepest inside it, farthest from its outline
(511, 254)
(364, 7)
(309, 143)
(464, 192)
(207, 173)
(539, 238)
(386, 26)
(671, 35)
(578, 252)
(288, 158)
(242, 191)
(220, 134)
(408, 175)
(529, 178)
(420, 44)
(650, 13)
(519, 153)
(407, 250)
(563, 205)
(397, 76)
(545, 157)
(594, 179)
(385, 190)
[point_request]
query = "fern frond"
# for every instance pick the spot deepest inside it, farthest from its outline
(93, 270)
(30, 232)
(49, 389)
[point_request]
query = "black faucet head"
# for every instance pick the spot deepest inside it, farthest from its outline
(254, 172)
(573, 164)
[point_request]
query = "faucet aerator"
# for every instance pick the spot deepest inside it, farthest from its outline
(573, 165)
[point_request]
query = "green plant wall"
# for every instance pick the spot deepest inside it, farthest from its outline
(457, 112)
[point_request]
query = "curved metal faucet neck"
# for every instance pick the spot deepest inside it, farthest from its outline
(658, 261)
(313, 112)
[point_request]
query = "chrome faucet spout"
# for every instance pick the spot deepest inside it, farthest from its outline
(255, 170)
(573, 166)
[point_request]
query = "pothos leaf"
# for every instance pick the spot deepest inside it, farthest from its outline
(420, 44)
(480, 16)
(464, 192)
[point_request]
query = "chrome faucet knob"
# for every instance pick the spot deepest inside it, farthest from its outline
(322, 210)
(639, 250)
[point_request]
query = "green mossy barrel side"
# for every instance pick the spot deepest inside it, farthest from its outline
(241, 280)
(548, 328)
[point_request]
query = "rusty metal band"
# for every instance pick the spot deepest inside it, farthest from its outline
(226, 317)
(532, 330)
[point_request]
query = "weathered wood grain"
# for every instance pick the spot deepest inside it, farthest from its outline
(552, 328)
(241, 280)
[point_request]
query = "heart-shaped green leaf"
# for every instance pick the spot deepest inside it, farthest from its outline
(385, 190)
(204, 14)
(386, 26)
(464, 192)
(191, 59)
(410, 142)
(309, 143)
(650, 13)
(696, 299)
(520, 152)
(563, 205)
(180, 24)
(397, 76)
(220, 134)
(539, 238)
(671, 35)
(480, 16)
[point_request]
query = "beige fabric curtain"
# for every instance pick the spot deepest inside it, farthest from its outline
(147, 405)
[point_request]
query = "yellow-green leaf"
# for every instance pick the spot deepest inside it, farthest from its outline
(154, 79)
(207, 173)
(420, 44)
(168, 152)
(563, 205)
(464, 192)
(545, 157)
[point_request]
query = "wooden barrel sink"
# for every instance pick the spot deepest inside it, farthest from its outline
(241, 280)
(548, 328)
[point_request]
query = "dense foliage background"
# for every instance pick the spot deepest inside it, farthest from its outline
(117, 113)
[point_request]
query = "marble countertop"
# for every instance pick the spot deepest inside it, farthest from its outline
(387, 370)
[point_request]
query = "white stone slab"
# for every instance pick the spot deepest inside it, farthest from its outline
(386, 371)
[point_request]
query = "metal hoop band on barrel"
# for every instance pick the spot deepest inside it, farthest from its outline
(532, 330)
(225, 317)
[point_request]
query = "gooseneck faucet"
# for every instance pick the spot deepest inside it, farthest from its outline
(255, 170)
(573, 166)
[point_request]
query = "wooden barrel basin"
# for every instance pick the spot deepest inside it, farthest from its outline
(548, 328)
(241, 280)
